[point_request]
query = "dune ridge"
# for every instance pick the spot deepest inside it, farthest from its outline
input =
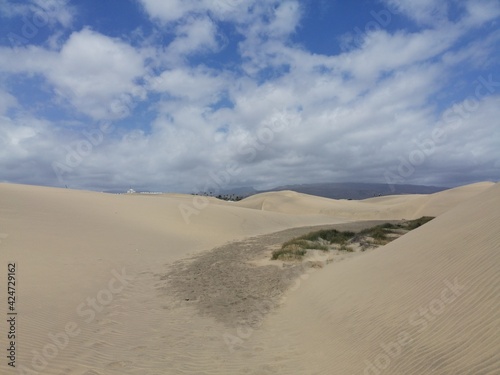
(409, 206)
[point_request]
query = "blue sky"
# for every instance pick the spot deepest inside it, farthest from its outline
(192, 95)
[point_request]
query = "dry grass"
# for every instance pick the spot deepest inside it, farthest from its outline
(332, 239)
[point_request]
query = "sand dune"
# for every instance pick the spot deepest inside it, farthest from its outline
(427, 303)
(99, 264)
(388, 207)
(69, 245)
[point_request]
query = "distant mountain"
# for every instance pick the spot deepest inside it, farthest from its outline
(245, 191)
(354, 190)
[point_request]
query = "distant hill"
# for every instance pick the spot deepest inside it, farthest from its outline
(354, 190)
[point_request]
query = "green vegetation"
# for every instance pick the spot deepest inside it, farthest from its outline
(295, 249)
(289, 253)
(330, 235)
(305, 244)
(378, 233)
(344, 247)
(413, 224)
(332, 239)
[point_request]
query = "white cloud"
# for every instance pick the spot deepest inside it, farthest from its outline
(27, 147)
(383, 52)
(475, 53)
(6, 101)
(345, 117)
(57, 10)
(355, 118)
(93, 72)
(286, 18)
(426, 12)
(480, 12)
(174, 10)
(168, 11)
(194, 35)
(474, 13)
(198, 85)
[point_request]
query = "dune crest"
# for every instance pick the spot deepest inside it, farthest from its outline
(388, 207)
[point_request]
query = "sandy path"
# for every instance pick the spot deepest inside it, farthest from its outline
(150, 328)
(222, 284)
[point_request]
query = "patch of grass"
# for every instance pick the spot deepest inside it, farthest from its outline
(297, 242)
(304, 244)
(414, 224)
(330, 235)
(317, 246)
(296, 248)
(378, 233)
(344, 247)
(389, 226)
(290, 253)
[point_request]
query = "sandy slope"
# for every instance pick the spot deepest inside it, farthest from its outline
(427, 303)
(68, 246)
(74, 247)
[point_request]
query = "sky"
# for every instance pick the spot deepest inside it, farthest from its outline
(209, 95)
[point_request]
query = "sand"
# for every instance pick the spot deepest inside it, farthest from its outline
(226, 282)
(123, 284)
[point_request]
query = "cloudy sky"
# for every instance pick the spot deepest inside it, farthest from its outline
(185, 95)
